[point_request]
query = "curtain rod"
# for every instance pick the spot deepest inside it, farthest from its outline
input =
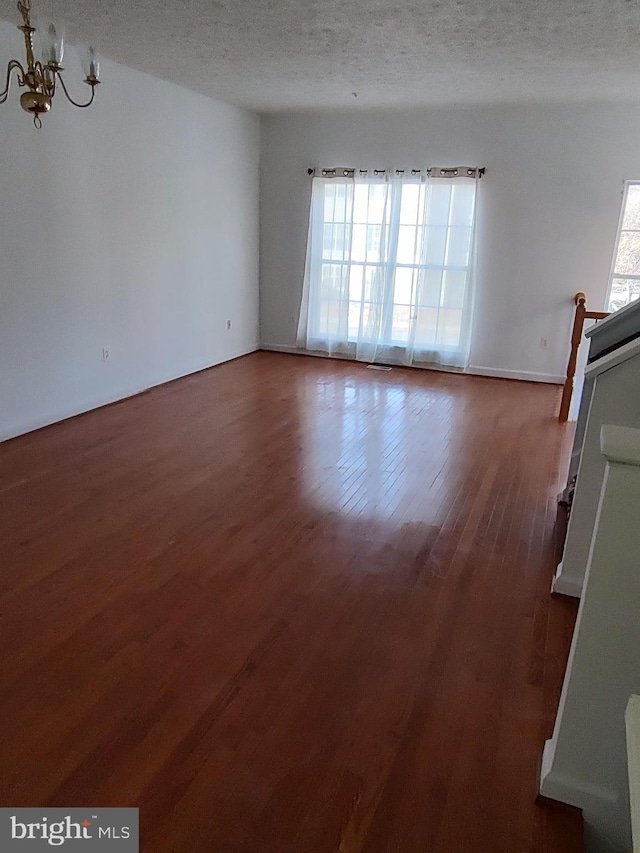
(432, 172)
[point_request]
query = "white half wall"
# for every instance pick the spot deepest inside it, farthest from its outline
(548, 211)
(585, 761)
(615, 399)
(131, 225)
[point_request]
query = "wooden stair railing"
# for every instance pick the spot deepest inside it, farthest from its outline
(576, 336)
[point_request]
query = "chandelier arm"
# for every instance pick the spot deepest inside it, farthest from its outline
(70, 99)
(14, 64)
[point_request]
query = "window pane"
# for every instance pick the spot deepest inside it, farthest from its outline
(373, 284)
(462, 199)
(329, 202)
(454, 289)
(326, 282)
(342, 208)
(410, 204)
(323, 319)
(377, 202)
(333, 281)
(360, 202)
(329, 198)
(623, 291)
(449, 325)
(631, 219)
(438, 203)
(458, 248)
(374, 234)
(356, 275)
(426, 325)
(401, 320)
(341, 278)
(435, 245)
(359, 243)
(334, 243)
(327, 240)
(628, 257)
(403, 286)
(371, 321)
(430, 287)
(354, 319)
(409, 244)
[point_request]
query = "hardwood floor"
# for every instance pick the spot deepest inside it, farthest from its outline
(290, 605)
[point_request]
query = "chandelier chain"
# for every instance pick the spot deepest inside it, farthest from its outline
(24, 7)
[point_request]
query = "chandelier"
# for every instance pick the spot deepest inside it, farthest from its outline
(41, 78)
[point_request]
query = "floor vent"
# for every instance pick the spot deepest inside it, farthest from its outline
(377, 367)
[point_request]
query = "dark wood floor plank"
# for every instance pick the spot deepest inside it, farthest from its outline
(289, 604)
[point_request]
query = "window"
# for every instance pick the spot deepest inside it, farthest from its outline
(624, 285)
(388, 272)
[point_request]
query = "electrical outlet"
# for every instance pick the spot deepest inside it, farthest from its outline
(228, 325)
(544, 343)
(106, 353)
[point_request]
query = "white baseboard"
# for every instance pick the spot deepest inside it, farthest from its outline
(523, 375)
(67, 412)
(474, 370)
(282, 348)
(565, 585)
(604, 810)
(566, 789)
(297, 351)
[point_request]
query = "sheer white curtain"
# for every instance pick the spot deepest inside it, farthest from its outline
(389, 269)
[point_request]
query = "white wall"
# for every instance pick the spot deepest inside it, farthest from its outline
(134, 225)
(549, 207)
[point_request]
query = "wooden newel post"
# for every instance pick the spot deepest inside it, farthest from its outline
(576, 337)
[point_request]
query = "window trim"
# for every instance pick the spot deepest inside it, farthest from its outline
(632, 182)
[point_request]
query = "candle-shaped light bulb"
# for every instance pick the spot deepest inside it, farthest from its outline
(91, 64)
(52, 38)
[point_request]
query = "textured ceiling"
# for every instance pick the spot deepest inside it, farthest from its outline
(272, 55)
